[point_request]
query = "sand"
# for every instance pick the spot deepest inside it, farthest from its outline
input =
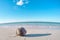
(32, 34)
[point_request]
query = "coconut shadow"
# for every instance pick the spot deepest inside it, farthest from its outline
(36, 35)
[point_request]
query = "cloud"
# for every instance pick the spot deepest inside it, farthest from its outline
(22, 2)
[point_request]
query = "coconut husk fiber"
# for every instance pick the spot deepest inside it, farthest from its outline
(21, 31)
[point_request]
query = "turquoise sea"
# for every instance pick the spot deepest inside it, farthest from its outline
(37, 25)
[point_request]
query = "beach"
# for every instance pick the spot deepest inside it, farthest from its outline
(9, 33)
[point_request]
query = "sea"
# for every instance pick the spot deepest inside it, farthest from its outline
(35, 25)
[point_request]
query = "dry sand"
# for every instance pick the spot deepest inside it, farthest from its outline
(32, 34)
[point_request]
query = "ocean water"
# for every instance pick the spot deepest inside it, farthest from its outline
(37, 25)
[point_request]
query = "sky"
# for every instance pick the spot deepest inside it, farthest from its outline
(29, 10)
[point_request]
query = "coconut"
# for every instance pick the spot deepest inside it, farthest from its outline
(21, 31)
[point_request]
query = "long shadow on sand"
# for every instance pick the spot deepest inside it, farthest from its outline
(36, 35)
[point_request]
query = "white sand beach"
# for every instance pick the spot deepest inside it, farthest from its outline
(32, 34)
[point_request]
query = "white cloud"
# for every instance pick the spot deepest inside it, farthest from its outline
(22, 2)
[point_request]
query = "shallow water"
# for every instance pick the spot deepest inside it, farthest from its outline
(37, 25)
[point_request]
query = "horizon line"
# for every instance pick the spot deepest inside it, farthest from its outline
(30, 22)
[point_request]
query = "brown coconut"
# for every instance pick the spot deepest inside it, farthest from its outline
(21, 31)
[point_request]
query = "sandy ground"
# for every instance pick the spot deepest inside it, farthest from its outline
(32, 34)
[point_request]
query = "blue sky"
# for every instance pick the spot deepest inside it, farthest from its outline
(34, 10)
